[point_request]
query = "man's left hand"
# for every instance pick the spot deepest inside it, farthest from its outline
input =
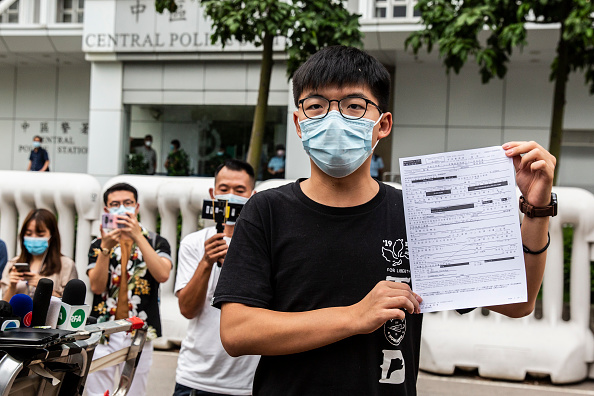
(535, 168)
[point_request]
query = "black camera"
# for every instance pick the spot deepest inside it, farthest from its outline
(220, 211)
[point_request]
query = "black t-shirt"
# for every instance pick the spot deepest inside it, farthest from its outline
(292, 254)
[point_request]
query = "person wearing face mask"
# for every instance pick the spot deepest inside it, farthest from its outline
(276, 165)
(203, 365)
(149, 154)
(310, 281)
(39, 158)
(40, 248)
(132, 289)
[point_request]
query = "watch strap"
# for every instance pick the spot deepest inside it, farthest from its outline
(533, 211)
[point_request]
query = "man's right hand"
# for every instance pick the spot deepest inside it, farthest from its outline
(247, 330)
(387, 300)
(215, 249)
(110, 239)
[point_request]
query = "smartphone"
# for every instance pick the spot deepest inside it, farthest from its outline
(22, 267)
(109, 221)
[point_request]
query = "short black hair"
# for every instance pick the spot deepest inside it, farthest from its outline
(148, 137)
(280, 147)
(38, 137)
(175, 142)
(120, 187)
(339, 65)
(238, 166)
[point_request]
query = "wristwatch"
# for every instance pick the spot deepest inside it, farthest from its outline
(105, 251)
(544, 211)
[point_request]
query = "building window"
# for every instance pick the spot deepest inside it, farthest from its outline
(11, 15)
(71, 11)
(395, 9)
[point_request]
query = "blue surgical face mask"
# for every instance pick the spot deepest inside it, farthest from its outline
(171, 148)
(36, 246)
(36, 144)
(232, 199)
(338, 146)
(122, 210)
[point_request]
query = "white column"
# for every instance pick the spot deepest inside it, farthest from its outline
(107, 143)
(297, 162)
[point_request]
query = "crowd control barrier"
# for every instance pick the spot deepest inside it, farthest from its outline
(73, 197)
(504, 348)
(497, 346)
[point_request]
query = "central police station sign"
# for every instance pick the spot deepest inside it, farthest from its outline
(135, 26)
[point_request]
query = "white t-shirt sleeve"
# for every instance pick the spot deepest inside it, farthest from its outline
(191, 251)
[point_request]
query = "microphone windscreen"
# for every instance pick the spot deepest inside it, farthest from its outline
(22, 305)
(5, 309)
(53, 312)
(75, 292)
(41, 301)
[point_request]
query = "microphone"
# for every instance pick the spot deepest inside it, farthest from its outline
(53, 312)
(74, 292)
(22, 306)
(73, 311)
(7, 319)
(41, 301)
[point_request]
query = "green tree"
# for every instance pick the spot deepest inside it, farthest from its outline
(455, 26)
(307, 26)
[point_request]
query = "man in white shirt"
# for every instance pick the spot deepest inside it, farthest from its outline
(203, 366)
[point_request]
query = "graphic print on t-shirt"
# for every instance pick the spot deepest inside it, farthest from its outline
(395, 329)
(396, 253)
(392, 367)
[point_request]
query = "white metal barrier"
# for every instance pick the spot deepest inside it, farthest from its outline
(66, 194)
(506, 348)
(499, 347)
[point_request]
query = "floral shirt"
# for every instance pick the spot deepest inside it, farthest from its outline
(143, 289)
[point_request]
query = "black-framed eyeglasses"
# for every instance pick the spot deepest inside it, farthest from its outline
(117, 204)
(352, 108)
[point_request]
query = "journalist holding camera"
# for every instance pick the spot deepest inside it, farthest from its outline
(203, 366)
(126, 266)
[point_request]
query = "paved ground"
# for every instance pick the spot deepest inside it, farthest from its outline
(162, 382)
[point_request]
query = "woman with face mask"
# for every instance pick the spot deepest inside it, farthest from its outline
(40, 248)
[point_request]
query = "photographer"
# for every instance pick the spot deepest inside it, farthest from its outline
(146, 259)
(203, 365)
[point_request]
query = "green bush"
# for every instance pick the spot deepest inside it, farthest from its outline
(136, 165)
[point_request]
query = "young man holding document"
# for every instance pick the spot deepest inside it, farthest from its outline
(307, 282)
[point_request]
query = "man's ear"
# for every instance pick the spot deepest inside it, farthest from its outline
(105, 209)
(385, 126)
(137, 209)
(211, 192)
(296, 121)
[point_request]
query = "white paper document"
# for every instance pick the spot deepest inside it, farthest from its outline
(464, 240)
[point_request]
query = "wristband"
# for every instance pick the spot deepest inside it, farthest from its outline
(526, 250)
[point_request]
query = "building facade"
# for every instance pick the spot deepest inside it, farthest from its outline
(94, 77)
